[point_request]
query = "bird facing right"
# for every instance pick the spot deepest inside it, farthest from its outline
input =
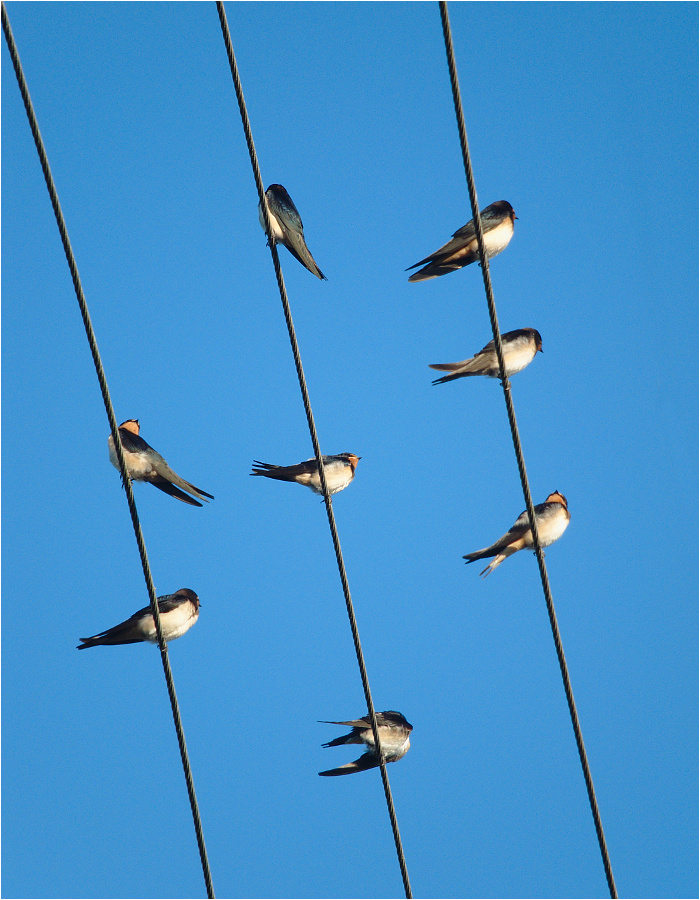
(497, 222)
(519, 349)
(143, 463)
(394, 733)
(552, 518)
(178, 613)
(339, 471)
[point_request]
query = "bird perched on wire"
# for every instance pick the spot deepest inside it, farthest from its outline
(339, 469)
(178, 613)
(519, 349)
(497, 223)
(287, 228)
(144, 464)
(552, 518)
(394, 733)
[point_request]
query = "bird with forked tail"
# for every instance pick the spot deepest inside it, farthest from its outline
(178, 613)
(339, 471)
(497, 222)
(143, 463)
(519, 349)
(394, 733)
(552, 518)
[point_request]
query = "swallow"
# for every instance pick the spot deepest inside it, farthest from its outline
(497, 223)
(144, 464)
(394, 733)
(552, 519)
(287, 228)
(339, 469)
(519, 349)
(178, 613)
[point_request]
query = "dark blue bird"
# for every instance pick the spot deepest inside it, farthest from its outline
(287, 228)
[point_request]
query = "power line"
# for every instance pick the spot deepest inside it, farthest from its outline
(314, 440)
(72, 265)
(449, 49)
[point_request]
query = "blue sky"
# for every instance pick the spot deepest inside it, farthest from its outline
(583, 116)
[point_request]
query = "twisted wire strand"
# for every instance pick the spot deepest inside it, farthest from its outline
(314, 440)
(456, 96)
(72, 265)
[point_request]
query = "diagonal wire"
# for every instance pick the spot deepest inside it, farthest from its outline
(314, 440)
(449, 49)
(72, 265)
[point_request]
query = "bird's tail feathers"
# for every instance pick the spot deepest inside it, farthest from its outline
(425, 274)
(345, 739)
(494, 564)
(449, 367)
(460, 370)
(366, 761)
(499, 557)
(303, 255)
(88, 642)
(479, 554)
(446, 378)
(198, 491)
(108, 638)
(169, 488)
(270, 471)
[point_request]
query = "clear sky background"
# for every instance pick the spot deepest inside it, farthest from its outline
(583, 116)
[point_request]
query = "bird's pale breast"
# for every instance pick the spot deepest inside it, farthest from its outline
(498, 238)
(138, 465)
(174, 623)
(551, 528)
(396, 749)
(519, 357)
(338, 475)
(277, 232)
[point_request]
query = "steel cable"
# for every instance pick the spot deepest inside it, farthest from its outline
(449, 49)
(72, 265)
(314, 440)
